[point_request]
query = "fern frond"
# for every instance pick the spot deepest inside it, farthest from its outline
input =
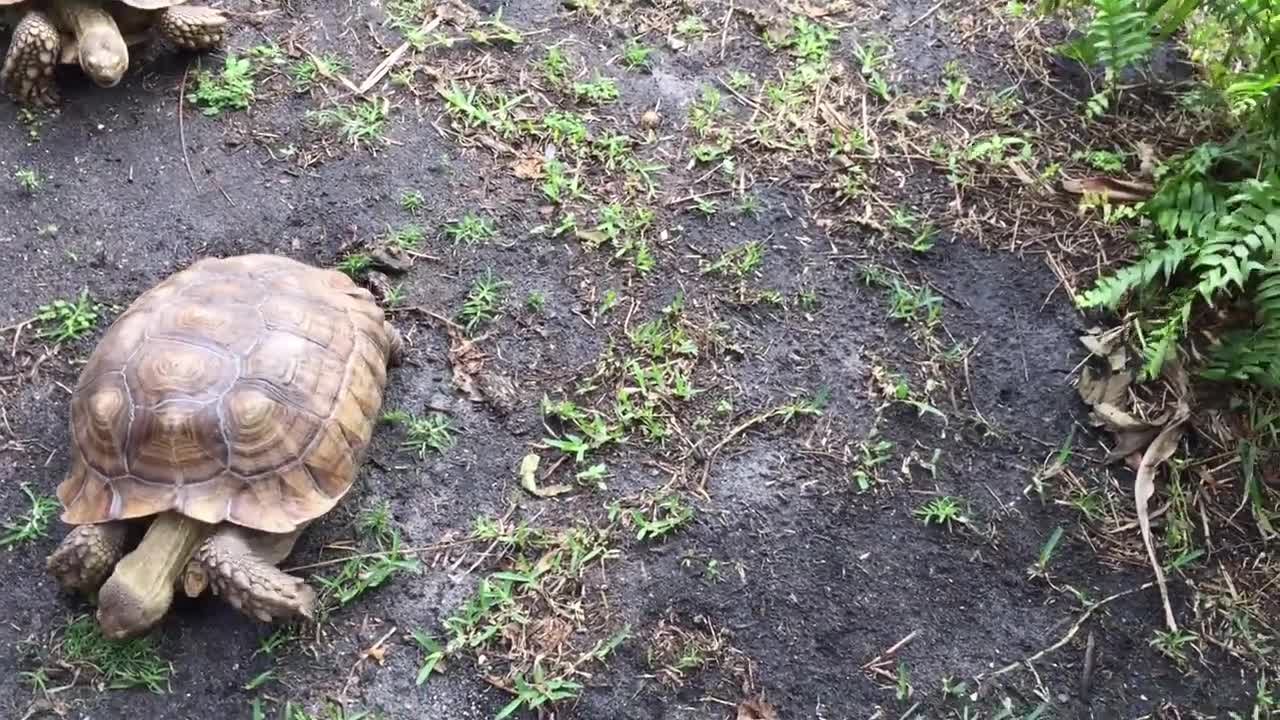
(1253, 356)
(1120, 34)
(1163, 341)
(1246, 240)
(1111, 290)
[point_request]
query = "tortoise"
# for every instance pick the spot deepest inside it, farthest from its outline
(227, 408)
(96, 34)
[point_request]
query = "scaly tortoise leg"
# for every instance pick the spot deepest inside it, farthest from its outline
(240, 565)
(192, 27)
(396, 356)
(32, 58)
(88, 554)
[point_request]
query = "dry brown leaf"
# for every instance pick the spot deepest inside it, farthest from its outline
(1112, 189)
(1129, 443)
(1146, 159)
(1109, 346)
(527, 168)
(756, 709)
(594, 238)
(817, 10)
(1144, 486)
(1117, 420)
(466, 359)
(529, 479)
(378, 653)
(1097, 387)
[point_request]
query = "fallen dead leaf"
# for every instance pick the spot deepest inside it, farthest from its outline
(1108, 345)
(1130, 443)
(1144, 486)
(1117, 420)
(1111, 189)
(821, 10)
(756, 709)
(529, 479)
(527, 168)
(1146, 159)
(1097, 386)
(466, 358)
(378, 653)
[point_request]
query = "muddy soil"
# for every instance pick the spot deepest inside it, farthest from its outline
(816, 579)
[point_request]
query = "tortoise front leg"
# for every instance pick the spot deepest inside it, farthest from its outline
(192, 27)
(240, 566)
(29, 65)
(87, 554)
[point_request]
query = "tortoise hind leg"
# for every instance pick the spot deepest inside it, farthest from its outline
(396, 355)
(87, 555)
(29, 65)
(192, 27)
(240, 565)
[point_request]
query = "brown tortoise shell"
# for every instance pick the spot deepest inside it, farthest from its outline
(242, 389)
(139, 4)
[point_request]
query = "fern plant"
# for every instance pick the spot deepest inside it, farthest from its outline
(1211, 232)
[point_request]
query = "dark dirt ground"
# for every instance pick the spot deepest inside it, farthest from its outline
(817, 578)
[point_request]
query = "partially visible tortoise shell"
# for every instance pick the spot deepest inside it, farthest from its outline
(242, 389)
(139, 4)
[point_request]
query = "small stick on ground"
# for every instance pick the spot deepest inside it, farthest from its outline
(893, 650)
(1075, 628)
(182, 128)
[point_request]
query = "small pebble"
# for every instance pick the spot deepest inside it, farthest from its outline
(650, 119)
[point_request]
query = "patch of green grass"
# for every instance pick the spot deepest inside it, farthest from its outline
(662, 518)
(955, 82)
(556, 67)
(600, 90)
(367, 571)
(810, 41)
(1173, 644)
(635, 56)
(471, 229)
(472, 108)
(29, 181)
(538, 690)
(536, 302)
(407, 237)
(483, 301)
(873, 57)
(269, 53)
(872, 454)
(906, 301)
(363, 124)
(230, 89)
(66, 320)
(943, 510)
(691, 27)
(560, 184)
(565, 128)
(122, 665)
(32, 525)
(1107, 161)
(432, 433)
(355, 264)
(411, 201)
(738, 262)
(310, 71)
(1041, 567)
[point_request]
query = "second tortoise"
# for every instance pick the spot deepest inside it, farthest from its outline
(96, 35)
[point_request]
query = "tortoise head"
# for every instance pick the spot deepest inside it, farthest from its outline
(104, 56)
